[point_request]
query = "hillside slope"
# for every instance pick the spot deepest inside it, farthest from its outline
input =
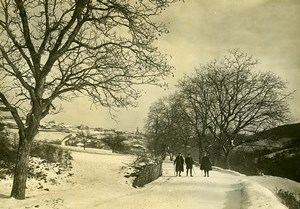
(274, 152)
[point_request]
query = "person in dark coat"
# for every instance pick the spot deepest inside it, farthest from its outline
(178, 162)
(189, 164)
(205, 165)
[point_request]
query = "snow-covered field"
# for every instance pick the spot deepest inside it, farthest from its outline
(99, 183)
(48, 136)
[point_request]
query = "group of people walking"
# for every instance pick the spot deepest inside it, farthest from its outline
(179, 162)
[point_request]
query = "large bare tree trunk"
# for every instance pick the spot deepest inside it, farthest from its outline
(21, 169)
(26, 136)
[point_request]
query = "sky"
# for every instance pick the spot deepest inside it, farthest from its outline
(201, 30)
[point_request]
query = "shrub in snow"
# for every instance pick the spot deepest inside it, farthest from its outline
(45, 160)
(288, 199)
(7, 153)
(41, 169)
(117, 143)
(51, 154)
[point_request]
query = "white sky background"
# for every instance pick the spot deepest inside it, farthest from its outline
(201, 30)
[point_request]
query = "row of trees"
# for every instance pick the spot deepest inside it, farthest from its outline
(216, 105)
(168, 126)
(58, 50)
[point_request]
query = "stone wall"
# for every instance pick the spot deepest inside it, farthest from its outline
(146, 173)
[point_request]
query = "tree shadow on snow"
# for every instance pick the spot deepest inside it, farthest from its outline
(234, 198)
(3, 196)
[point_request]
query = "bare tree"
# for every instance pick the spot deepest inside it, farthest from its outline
(241, 99)
(84, 136)
(60, 49)
(167, 126)
(195, 104)
(116, 142)
(181, 129)
(157, 128)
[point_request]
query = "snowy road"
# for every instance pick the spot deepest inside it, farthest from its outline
(99, 183)
(218, 191)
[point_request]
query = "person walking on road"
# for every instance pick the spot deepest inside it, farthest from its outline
(205, 165)
(178, 162)
(189, 164)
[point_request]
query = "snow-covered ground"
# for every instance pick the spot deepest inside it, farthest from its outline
(99, 183)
